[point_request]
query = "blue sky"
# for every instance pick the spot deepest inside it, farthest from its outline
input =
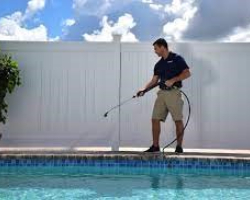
(135, 20)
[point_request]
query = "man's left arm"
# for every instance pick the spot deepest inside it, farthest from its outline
(184, 71)
(182, 76)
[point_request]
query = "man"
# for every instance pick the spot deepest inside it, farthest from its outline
(171, 69)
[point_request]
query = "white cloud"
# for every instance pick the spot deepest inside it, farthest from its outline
(153, 5)
(12, 27)
(55, 39)
(123, 27)
(69, 22)
(91, 7)
(33, 7)
(184, 11)
(147, 1)
(238, 35)
(77, 4)
(16, 17)
(177, 6)
(156, 6)
(66, 24)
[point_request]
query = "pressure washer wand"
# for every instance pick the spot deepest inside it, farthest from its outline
(137, 95)
(148, 89)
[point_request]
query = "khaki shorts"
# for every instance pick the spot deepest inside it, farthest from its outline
(168, 101)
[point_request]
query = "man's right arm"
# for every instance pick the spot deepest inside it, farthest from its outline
(153, 81)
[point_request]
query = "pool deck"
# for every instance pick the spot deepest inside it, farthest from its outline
(128, 153)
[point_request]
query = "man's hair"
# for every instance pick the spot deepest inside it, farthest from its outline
(161, 42)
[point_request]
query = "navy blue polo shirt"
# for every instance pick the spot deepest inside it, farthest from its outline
(170, 67)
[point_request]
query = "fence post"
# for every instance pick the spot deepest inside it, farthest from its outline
(116, 141)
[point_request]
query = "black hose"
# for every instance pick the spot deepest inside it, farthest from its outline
(145, 91)
(189, 113)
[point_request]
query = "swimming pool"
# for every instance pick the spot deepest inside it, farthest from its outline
(106, 177)
(104, 183)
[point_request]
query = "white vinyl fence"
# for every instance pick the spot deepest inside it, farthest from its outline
(68, 86)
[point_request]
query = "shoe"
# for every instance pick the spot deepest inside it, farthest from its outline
(178, 149)
(153, 149)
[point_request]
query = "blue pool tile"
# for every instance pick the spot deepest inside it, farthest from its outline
(167, 163)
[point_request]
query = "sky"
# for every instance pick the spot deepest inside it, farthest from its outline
(134, 20)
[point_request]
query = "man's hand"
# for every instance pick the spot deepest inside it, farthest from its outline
(140, 93)
(154, 80)
(170, 82)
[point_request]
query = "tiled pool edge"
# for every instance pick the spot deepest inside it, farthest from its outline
(135, 160)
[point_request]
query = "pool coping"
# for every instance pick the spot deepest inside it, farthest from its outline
(68, 152)
(220, 161)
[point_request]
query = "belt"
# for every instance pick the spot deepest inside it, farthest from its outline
(164, 87)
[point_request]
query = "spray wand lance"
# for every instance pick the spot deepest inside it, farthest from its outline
(137, 95)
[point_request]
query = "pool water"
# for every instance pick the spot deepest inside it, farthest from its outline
(98, 183)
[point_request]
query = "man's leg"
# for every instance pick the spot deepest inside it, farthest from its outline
(159, 114)
(175, 106)
(179, 132)
(156, 130)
